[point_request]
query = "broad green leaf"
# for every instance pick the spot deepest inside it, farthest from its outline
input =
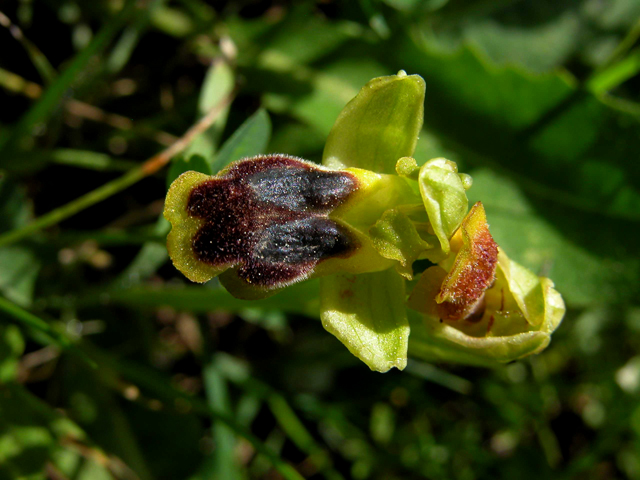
(297, 139)
(539, 47)
(18, 274)
(561, 143)
(366, 313)
(379, 126)
(250, 139)
(444, 196)
(291, 37)
(591, 258)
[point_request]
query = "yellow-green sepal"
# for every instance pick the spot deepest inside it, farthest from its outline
(379, 125)
(367, 314)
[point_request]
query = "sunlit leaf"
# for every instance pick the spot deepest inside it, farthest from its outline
(250, 139)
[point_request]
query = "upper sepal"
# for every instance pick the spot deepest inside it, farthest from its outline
(379, 125)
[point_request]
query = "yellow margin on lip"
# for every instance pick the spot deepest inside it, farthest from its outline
(184, 227)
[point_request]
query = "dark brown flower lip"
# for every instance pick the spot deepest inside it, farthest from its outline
(269, 217)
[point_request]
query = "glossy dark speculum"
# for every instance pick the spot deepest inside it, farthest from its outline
(268, 215)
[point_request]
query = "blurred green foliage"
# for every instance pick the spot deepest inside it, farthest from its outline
(537, 99)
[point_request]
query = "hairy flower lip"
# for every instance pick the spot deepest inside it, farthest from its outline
(267, 217)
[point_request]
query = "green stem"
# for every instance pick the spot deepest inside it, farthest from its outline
(74, 207)
(615, 74)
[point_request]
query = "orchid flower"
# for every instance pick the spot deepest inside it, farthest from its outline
(359, 222)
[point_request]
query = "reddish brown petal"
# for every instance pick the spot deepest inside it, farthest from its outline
(473, 270)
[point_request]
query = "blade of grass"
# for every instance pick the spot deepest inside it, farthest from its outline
(17, 84)
(101, 193)
(52, 96)
(161, 387)
(87, 159)
(222, 463)
(121, 52)
(285, 415)
(615, 74)
(301, 298)
(39, 60)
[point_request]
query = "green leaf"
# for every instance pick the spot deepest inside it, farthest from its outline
(218, 83)
(380, 125)
(20, 266)
(33, 434)
(18, 274)
(444, 197)
(367, 314)
(539, 47)
(11, 348)
(605, 271)
(195, 162)
(301, 298)
(560, 143)
(222, 463)
(249, 140)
